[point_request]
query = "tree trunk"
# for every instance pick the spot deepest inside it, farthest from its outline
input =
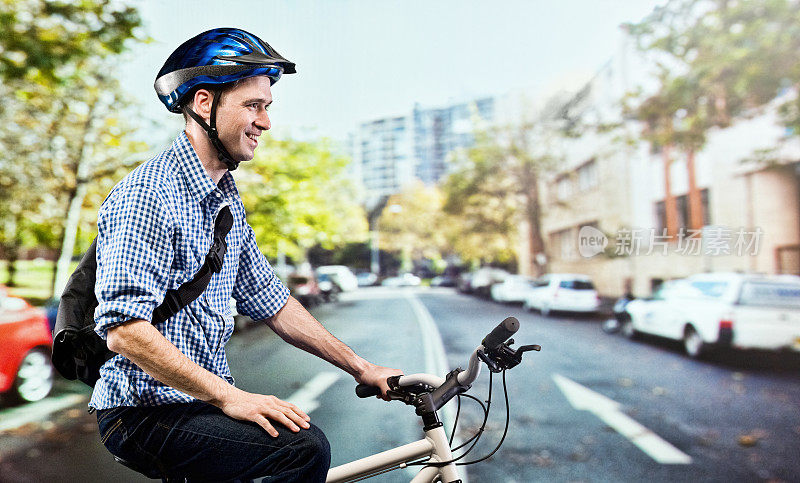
(77, 195)
(670, 204)
(70, 235)
(11, 249)
(533, 214)
(696, 214)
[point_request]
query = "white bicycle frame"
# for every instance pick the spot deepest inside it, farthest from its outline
(435, 446)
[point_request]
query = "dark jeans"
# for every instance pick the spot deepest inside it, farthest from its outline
(197, 441)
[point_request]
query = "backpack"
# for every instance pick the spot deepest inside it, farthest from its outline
(78, 352)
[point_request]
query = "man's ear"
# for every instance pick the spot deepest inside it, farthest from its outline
(203, 98)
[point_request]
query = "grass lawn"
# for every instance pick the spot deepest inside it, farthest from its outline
(33, 279)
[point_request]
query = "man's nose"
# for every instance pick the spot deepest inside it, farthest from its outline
(262, 121)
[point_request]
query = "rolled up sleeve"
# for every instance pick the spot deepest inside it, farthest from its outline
(134, 255)
(258, 292)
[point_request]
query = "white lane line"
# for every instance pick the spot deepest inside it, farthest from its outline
(16, 417)
(609, 411)
(306, 397)
(435, 363)
(435, 355)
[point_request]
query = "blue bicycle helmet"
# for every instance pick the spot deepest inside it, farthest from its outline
(212, 59)
(216, 57)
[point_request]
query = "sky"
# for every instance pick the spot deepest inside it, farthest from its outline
(359, 60)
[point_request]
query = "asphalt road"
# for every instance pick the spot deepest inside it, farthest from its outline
(731, 418)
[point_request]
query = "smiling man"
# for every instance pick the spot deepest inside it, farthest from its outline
(167, 404)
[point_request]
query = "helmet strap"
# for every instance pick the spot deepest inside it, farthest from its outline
(213, 134)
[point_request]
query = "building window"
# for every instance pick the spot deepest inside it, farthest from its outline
(682, 203)
(661, 216)
(563, 244)
(706, 209)
(563, 187)
(587, 176)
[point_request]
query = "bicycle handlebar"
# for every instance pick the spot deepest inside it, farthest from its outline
(501, 333)
(492, 341)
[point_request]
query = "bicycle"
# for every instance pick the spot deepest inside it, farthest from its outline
(429, 393)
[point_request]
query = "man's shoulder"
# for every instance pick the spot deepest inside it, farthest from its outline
(158, 174)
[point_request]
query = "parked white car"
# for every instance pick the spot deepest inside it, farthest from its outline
(566, 292)
(513, 289)
(722, 310)
(342, 276)
(483, 279)
(404, 280)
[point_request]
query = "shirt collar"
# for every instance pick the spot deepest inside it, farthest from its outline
(197, 179)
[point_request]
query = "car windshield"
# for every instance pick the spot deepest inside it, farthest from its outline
(773, 294)
(577, 284)
(709, 288)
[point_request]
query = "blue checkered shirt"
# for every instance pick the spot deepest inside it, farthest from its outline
(155, 229)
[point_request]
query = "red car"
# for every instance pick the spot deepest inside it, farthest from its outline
(26, 373)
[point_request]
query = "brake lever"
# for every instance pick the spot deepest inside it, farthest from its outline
(504, 357)
(489, 362)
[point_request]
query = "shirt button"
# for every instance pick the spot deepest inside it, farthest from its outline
(216, 193)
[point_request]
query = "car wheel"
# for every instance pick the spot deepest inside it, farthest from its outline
(693, 343)
(34, 378)
(628, 331)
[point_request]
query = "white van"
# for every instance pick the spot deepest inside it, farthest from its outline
(342, 276)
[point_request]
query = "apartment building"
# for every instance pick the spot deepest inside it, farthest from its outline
(666, 213)
(390, 152)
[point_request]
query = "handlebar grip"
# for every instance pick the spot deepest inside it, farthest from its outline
(501, 333)
(365, 390)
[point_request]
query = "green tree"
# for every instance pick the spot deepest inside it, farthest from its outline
(496, 187)
(46, 41)
(414, 224)
(297, 195)
(57, 113)
(718, 60)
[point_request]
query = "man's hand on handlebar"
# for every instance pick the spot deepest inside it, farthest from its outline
(376, 376)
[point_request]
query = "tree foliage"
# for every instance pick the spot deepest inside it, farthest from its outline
(414, 224)
(297, 195)
(45, 41)
(61, 114)
(495, 188)
(718, 60)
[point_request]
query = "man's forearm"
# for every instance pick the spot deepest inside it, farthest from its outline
(145, 346)
(294, 324)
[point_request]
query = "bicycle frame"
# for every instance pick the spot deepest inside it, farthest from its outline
(435, 446)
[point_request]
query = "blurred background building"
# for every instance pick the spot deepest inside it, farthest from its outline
(669, 213)
(390, 152)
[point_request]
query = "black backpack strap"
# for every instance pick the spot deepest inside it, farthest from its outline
(176, 299)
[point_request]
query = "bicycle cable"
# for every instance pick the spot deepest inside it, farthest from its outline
(505, 430)
(479, 430)
(477, 436)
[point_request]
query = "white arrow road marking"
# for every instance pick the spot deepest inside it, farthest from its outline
(16, 417)
(306, 397)
(608, 410)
